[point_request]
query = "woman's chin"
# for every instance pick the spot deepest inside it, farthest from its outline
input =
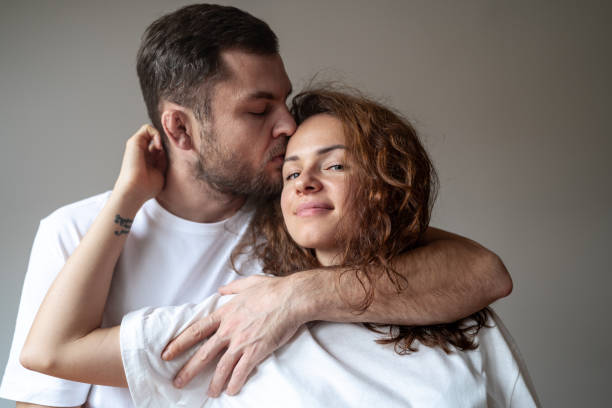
(326, 253)
(312, 243)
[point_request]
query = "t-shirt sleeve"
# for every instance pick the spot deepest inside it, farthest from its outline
(48, 256)
(143, 336)
(508, 381)
(523, 394)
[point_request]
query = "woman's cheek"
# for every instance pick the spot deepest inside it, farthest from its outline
(286, 209)
(284, 202)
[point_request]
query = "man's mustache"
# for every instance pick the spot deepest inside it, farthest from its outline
(278, 149)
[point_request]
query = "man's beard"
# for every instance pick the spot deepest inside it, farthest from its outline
(226, 172)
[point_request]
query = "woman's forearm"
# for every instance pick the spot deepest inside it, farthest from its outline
(65, 339)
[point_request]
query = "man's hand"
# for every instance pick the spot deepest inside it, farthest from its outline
(449, 277)
(264, 314)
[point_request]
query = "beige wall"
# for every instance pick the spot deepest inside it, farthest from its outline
(511, 97)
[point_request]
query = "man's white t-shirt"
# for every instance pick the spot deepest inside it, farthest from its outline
(329, 365)
(166, 261)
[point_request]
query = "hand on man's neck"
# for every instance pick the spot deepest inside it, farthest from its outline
(195, 200)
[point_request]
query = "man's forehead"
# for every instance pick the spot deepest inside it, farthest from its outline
(252, 77)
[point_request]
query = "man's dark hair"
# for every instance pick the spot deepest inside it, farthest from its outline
(180, 55)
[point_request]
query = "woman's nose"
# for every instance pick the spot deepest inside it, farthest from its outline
(307, 184)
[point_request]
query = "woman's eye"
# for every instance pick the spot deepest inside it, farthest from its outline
(292, 176)
(337, 167)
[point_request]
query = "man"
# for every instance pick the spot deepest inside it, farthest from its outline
(215, 87)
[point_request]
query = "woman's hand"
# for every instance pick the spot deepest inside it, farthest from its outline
(144, 166)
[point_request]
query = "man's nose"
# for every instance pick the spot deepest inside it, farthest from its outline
(285, 126)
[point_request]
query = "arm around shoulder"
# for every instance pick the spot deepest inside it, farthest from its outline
(487, 272)
(446, 278)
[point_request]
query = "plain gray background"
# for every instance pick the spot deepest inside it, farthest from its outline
(512, 99)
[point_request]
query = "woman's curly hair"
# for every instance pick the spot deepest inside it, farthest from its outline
(392, 188)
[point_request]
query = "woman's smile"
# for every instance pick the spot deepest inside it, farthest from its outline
(313, 208)
(316, 179)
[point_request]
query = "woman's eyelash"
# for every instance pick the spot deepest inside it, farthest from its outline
(337, 167)
(296, 174)
(290, 175)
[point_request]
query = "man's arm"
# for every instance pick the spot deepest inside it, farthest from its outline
(447, 278)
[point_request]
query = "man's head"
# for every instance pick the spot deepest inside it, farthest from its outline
(215, 88)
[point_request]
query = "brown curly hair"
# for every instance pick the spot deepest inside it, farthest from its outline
(392, 189)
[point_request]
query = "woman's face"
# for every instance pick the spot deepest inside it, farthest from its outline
(315, 184)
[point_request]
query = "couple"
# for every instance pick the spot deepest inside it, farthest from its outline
(215, 86)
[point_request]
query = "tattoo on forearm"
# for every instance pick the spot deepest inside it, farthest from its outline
(124, 224)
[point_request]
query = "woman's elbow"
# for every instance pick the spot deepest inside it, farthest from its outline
(35, 358)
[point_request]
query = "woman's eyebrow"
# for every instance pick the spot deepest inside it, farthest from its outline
(318, 152)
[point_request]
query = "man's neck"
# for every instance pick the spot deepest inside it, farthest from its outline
(195, 200)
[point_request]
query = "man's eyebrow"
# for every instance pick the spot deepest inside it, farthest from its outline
(319, 152)
(266, 94)
(260, 95)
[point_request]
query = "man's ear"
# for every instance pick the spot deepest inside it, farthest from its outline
(178, 128)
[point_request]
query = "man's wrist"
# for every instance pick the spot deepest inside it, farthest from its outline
(314, 294)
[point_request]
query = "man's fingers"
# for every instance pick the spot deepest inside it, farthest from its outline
(195, 333)
(240, 374)
(198, 361)
(222, 372)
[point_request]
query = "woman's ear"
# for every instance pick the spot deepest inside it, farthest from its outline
(177, 127)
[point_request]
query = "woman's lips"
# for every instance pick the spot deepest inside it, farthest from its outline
(312, 208)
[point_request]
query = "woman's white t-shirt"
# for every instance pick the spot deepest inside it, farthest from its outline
(328, 365)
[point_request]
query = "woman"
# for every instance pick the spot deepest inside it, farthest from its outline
(358, 188)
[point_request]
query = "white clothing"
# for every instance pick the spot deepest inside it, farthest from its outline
(166, 260)
(328, 365)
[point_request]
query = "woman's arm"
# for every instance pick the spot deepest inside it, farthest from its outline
(66, 339)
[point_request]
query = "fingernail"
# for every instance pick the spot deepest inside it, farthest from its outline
(165, 355)
(178, 382)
